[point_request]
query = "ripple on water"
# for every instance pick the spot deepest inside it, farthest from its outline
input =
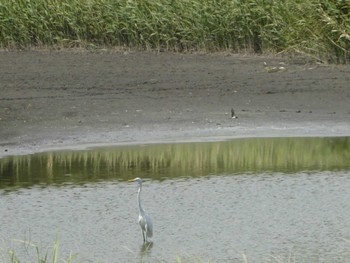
(219, 218)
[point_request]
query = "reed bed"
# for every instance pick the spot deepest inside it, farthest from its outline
(320, 28)
(288, 155)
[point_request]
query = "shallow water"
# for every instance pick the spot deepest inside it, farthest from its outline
(264, 215)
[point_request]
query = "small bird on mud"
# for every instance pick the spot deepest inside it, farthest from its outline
(233, 115)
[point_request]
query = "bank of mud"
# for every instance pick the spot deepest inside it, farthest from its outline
(74, 99)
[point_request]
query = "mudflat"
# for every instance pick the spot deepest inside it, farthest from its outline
(76, 99)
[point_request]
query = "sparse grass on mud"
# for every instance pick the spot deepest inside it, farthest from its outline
(34, 253)
(316, 27)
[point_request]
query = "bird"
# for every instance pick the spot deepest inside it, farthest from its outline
(233, 115)
(145, 220)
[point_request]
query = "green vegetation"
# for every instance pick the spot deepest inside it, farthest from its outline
(320, 28)
(35, 254)
(253, 155)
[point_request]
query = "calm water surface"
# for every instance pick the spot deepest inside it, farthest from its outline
(266, 215)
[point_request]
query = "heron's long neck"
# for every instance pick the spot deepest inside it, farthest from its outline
(138, 199)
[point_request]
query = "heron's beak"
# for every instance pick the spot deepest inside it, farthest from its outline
(132, 180)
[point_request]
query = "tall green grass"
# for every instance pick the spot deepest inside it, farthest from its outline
(317, 27)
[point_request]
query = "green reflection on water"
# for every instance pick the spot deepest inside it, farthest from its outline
(158, 161)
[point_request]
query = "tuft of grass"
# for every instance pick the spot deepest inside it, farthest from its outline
(320, 28)
(48, 256)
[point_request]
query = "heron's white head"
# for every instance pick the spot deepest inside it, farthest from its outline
(137, 179)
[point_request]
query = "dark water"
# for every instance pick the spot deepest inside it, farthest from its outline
(249, 200)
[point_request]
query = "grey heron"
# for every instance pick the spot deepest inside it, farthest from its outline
(145, 220)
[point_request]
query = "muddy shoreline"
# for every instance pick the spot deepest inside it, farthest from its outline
(77, 99)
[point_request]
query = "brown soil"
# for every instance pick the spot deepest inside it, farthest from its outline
(72, 99)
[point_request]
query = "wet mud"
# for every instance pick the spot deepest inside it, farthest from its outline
(73, 99)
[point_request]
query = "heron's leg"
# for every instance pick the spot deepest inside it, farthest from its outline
(143, 234)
